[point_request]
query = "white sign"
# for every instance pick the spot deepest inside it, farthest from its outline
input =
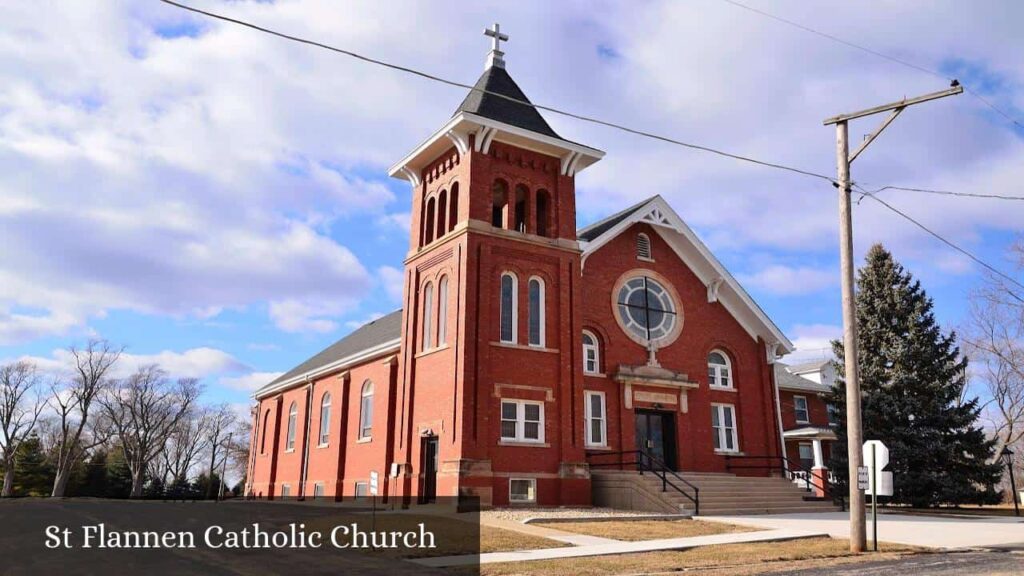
(863, 483)
(373, 482)
(875, 451)
(884, 482)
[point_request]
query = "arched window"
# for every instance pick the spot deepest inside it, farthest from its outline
(428, 224)
(509, 307)
(293, 412)
(442, 213)
(643, 246)
(428, 316)
(543, 213)
(719, 370)
(537, 305)
(499, 204)
(263, 443)
(591, 353)
(366, 410)
(453, 207)
(442, 311)
(325, 418)
(522, 208)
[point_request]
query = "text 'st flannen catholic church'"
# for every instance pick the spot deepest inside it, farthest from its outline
(527, 353)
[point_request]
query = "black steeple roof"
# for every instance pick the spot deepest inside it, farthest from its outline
(497, 80)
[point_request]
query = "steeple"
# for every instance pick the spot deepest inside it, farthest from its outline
(495, 59)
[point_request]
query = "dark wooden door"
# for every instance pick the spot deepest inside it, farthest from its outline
(429, 451)
(656, 435)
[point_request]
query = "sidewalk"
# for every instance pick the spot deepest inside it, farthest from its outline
(549, 533)
(608, 546)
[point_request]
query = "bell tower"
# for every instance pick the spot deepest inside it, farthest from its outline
(490, 388)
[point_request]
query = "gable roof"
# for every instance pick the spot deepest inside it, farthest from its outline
(785, 379)
(722, 286)
(379, 335)
(497, 80)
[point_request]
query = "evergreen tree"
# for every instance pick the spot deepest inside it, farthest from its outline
(33, 474)
(94, 483)
(912, 382)
(119, 477)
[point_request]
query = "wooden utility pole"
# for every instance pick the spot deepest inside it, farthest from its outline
(854, 429)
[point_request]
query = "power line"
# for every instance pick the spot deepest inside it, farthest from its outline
(947, 242)
(428, 76)
(606, 123)
(883, 55)
(943, 192)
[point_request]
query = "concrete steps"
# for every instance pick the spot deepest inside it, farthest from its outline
(720, 494)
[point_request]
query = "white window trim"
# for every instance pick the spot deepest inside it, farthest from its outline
(587, 394)
(515, 309)
(542, 316)
(721, 429)
(324, 440)
(363, 394)
(807, 410)
(521, 422)
(292, 423)
(533, 484)
(442, 311)
(596, 347)
(714, 383)
(428, 317)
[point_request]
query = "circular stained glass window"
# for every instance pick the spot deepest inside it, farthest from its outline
(646, 310)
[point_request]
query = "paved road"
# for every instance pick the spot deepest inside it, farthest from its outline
(911, 529)
(944, 564)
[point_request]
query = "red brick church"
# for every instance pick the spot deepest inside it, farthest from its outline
(526, 352)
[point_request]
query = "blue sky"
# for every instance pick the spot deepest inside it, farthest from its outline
(216, 199)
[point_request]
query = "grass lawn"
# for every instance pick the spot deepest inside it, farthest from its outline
(998, 510)
(733, 559)
(635, 530)
(499, 540)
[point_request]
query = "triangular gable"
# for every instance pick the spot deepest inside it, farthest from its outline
(721, 285)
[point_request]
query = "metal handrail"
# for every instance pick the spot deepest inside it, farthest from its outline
(786, 466)
(661, 470)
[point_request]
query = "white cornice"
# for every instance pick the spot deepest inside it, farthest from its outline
(337, 365)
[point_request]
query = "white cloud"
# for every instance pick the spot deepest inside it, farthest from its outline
(200, 363)
(296, 316)
(791, 281)
(249, 382)
(812, 342)
(393, 281)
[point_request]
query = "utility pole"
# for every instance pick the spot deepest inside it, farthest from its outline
(854, 430)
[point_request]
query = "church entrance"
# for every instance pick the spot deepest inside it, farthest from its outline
(656, 435)
(428, 449)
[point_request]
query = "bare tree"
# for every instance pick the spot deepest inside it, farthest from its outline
(143, 410)
(995, 340)
(76, 432)
(185, 443)
(220, 425)
(20, 405)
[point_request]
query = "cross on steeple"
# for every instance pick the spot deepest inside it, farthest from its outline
(495, 57)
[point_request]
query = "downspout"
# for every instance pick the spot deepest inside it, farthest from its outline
(778, 415)
(305, 439)
(253, 443)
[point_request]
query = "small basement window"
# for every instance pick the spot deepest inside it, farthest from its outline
(522, 490)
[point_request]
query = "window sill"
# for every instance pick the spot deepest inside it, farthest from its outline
(596, 447)
(326, 445)
(289, 450)
(432, 351)
(722, 388)
(524, 444)
(516, 346)
(729, 453)
(807, 422)
(365, 440)
(595, 375)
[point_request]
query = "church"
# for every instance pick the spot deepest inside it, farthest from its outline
(528, 355)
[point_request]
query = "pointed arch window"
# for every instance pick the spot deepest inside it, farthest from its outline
(263, 443)
(591, 353)
(509, 307)
(366, 410)
(428, 316)
(453, 207)
(325, 419)
(442, 311)
(293, 413)
(719, 370)
(643, 246)
(428, 224)
(442, 213)
(536, 311)
(499, 204)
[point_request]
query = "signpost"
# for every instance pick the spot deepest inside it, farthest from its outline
(877, 483)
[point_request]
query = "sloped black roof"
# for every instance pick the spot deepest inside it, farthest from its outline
(497, 80)
(383, 329)
(589, 233)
